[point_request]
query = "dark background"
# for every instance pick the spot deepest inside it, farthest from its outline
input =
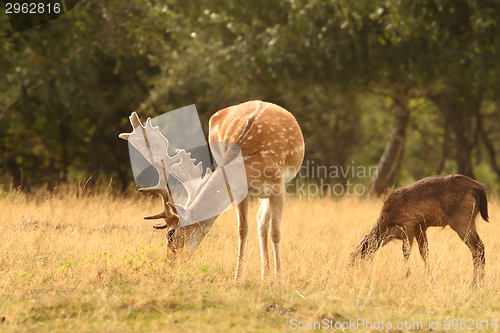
(411, 86)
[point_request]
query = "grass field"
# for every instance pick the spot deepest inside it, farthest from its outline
(90, 263)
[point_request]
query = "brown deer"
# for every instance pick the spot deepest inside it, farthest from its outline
(272, 150)
(436, 201)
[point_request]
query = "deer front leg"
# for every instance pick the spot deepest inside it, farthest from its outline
(407, 243)
(263, 220)
(423, 246)
(242, 212)
(277, 203)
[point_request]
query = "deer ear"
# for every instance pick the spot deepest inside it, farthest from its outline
(172, 209)
(182, 213)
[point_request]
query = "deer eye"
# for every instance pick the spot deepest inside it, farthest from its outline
(170, 234)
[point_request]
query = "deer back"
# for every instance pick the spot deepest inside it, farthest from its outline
(270, 139)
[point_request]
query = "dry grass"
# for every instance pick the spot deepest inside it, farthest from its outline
(91, 263)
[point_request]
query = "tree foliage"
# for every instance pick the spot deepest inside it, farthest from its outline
(337, 65)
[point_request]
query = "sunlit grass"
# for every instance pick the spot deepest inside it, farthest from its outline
(91, 263)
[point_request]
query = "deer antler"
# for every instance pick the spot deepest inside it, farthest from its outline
(189, 174)
(153, 146)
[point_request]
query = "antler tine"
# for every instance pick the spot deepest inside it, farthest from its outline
(160, 226)
(189, 174)
(161, 215)
(168, 207)
(150, 190)
(124, 136)
(134, 120)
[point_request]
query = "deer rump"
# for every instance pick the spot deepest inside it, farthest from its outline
(436, 201)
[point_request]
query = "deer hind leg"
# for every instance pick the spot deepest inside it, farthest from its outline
(277, 203)
(242, 212)
(471, 238)
(263, 220)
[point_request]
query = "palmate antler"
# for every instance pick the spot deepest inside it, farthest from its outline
(153, 146)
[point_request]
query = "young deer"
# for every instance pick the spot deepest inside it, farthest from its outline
(272, 149)
(436, 201)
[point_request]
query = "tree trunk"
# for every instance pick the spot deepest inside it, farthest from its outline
(491, 151)
(461, 109)
(389, 162)
(444, 150)
(463, 152)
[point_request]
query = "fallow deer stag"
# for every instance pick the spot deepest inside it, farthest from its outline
(272, 149)
(436, 201)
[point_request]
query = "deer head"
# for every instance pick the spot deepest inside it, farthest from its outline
(188, 224)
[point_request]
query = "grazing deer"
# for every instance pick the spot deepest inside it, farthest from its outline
(272, 148)
(436, 201)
